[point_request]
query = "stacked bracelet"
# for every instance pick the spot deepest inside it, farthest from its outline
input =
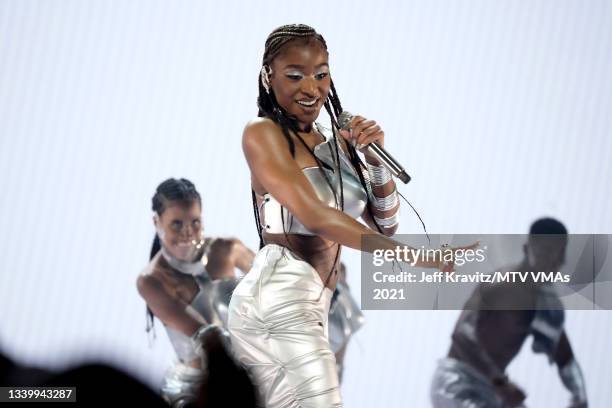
(379, 175)
(388, 222)
(386, 203)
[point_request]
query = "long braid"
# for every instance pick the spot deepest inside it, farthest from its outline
(257, 219)
(358, 165)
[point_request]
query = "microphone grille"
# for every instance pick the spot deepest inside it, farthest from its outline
(344, 119)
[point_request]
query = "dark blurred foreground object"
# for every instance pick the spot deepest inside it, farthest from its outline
(226, 383)
(96, 384)
(12, 374)
(99, 384)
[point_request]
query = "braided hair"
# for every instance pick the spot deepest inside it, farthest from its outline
(269, 107)
(167, 193)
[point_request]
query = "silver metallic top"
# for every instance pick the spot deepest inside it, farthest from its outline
(355, 197)
(209, 306)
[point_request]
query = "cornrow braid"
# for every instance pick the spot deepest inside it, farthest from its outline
(284, 34)
(173, 190)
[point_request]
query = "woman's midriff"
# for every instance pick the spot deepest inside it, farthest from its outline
(318, 252)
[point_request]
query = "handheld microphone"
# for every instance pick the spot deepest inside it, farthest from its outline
(381, 154)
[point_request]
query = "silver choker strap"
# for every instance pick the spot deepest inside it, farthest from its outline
(189, 268)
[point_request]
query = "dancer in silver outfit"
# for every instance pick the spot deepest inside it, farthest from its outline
(188, 282)
(491, 330)
(309, 186)
(345, 318)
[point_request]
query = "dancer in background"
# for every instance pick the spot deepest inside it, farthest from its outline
(491, 331)
(188, 282)
(345, 318)
(309, 186)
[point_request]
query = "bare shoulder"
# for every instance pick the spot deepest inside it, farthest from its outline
(259, 125)
(147, 280)
(261, 131)
(148, 284)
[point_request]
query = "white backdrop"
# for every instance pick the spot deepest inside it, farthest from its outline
(500, 110)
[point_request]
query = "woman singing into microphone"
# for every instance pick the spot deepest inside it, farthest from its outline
(309, 187)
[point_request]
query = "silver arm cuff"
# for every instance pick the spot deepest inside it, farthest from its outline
(573, 380)
(386, 203)
(388, 222)
(379, 175)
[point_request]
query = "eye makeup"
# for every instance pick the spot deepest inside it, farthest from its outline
(297, 75)
(294, 75)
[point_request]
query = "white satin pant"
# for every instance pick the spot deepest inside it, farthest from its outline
(278, 326)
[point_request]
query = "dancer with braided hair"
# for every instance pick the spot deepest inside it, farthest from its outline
(188, 282)
(308, 187)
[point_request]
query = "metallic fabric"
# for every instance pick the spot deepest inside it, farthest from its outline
(209, 306)
(458, 385)
(181, 385)
(278, 319)
(345, 318)
(388, 222)
(196, 267)
(379, 175)
(277, 220)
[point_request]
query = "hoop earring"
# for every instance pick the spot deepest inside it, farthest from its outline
(266, 71)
